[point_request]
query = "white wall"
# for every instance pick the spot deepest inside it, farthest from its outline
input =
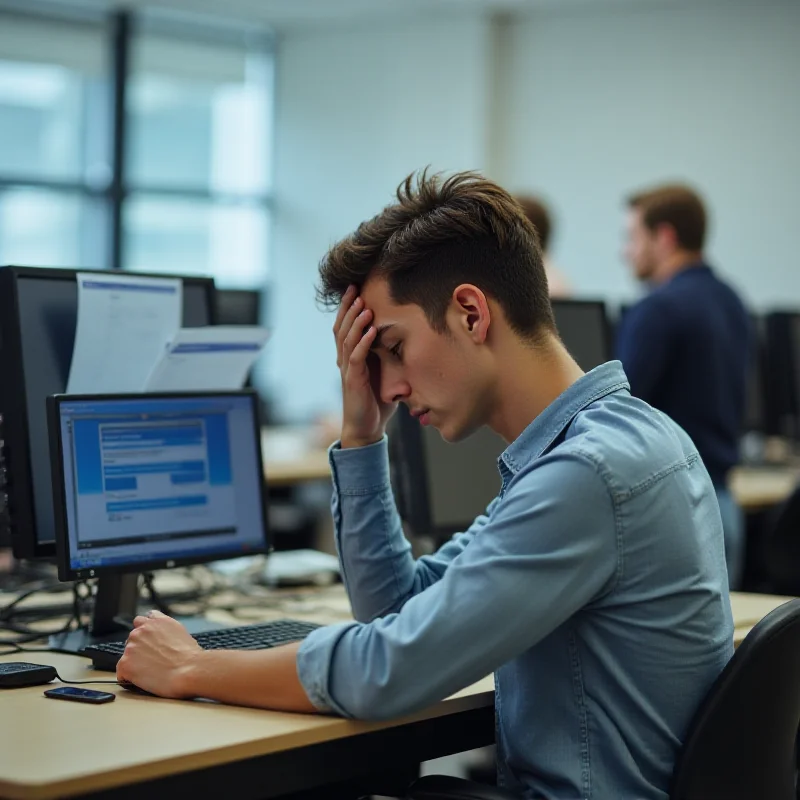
(357, 110)
(605, 100)
(583, 105)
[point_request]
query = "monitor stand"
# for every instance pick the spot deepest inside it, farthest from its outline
(116, 604)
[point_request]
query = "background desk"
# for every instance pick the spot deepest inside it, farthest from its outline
(756, 488)
(748, 609)
(753, 487)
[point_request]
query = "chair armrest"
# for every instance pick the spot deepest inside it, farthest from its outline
(446, 787)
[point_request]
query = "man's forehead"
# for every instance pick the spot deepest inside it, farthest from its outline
(375, 292)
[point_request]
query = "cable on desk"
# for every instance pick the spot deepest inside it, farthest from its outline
(11, 615)
(109, 683)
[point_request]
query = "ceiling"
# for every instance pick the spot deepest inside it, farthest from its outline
(282, 14)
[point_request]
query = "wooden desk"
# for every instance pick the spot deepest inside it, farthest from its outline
(148, 747)
(312, 466)
(754, 488)
(143, 746)
(289, 459)
(762, 487)
(748, 609)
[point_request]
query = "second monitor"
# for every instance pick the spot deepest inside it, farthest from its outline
(441, 487)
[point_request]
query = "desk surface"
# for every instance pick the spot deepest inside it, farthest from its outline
(59, 749)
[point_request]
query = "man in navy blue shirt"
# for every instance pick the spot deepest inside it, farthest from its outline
(685, 346)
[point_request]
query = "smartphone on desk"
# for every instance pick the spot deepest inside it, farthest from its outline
(79, 695)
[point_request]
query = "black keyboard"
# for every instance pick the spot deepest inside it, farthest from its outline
(260, 636)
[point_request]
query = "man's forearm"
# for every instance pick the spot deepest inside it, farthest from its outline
(262, 678)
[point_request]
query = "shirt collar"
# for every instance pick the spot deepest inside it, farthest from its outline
(692, 270)
(545, 429)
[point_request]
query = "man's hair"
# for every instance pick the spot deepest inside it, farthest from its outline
(675, 205)
(441, 233)
(536, 211)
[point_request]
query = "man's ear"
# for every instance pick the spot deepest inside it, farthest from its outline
(666, 236)
(472, 311)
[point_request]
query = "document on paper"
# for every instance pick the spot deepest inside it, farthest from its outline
(124, 324)
(207, 359)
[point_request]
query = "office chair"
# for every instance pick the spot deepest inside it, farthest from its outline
(741, 742)
(782, 547)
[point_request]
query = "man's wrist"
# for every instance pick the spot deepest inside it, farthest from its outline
(189, 678)
(349, 440)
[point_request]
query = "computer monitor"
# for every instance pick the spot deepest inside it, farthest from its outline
(441, 487)
(143, 482)
(38, 316)
(237, 307)
(755, 414)
(782, 350)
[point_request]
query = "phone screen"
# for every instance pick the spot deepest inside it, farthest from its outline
(79, 695)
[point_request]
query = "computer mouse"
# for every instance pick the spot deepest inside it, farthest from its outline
(132, 687)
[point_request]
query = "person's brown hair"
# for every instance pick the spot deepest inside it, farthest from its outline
(442, 232)
(536, 211)
(675, 205)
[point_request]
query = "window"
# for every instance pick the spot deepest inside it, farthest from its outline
(197, 237)
(198, 158)
(45, 228)
(54, 150)
(191, 193)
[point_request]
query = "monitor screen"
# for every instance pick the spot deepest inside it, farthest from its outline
(440, 486)
(754, 413)
(156, 480)
(583, 327)
(237, 307)
(38, 364)
(782, 373)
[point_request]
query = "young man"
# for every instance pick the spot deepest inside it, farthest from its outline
(594, 586)
(685, 347)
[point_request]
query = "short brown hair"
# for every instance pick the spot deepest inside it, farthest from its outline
(536, 211)
(440, 233)
(676, 205)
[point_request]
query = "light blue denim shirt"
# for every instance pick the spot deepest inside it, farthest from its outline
(594, 587)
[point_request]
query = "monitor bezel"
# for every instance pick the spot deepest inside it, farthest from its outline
(256, 294)
(65, 570)
(13, 399)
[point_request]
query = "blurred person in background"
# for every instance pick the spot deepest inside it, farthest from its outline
(685, 345)
(536, 211)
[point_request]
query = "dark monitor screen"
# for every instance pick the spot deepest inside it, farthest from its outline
(38, 316)
(755, 404)
(158, 480)
(782, 378)
(237, 307)
(441, 487)
(584, 328)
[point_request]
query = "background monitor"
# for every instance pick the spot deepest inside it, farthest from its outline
(755, 413)
(237, 307)
(782, 350)
(441, 487)
(38, 316)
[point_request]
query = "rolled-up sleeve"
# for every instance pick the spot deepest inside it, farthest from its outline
(532, 564)
(378, 570)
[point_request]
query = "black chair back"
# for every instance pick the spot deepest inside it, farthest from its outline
(741, 743)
